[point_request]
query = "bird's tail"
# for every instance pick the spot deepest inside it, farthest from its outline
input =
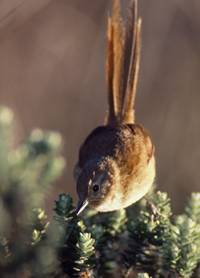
(123, 59)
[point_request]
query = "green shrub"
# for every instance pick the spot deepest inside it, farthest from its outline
(145, 240)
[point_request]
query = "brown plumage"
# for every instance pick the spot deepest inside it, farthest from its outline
(123, 59)
(116, 165)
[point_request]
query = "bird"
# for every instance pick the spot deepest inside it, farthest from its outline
(116, 162)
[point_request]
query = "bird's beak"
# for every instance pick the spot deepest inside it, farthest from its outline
(81, 206)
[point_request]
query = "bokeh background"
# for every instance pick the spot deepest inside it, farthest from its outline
(52, 76)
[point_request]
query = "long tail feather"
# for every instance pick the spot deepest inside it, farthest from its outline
(112, 102)
(123, 56)
(128, 111)
(130, 31)
(115, 62)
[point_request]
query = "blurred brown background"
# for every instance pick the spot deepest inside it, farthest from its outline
(52, 76)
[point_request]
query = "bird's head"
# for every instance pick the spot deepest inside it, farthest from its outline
(95, 184)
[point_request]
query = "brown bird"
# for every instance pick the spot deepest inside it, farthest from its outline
(116, 165)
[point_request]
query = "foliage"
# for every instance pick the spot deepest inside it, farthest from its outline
(145, 240)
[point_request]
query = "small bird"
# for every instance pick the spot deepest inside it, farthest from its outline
(116, 165)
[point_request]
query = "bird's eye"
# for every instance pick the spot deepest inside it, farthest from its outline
(95, 187)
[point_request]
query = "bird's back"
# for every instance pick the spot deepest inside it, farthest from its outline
(124, 143)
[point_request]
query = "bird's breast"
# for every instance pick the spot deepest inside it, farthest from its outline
(135, 189)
